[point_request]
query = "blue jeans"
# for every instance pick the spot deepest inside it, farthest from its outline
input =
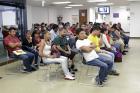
(27, 59)
(126, 39)
(26, 48)
(103, 68)
(71, 42)
(108, 58)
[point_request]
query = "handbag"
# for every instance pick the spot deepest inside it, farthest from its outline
(54, 51)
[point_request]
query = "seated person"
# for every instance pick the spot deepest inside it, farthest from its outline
(91, 57)
(47, 57)
(104, 55)
(27, 45)
(12, 43)
(54, 32)
(36, 38)
(122, 33)
(62, 45)
(70, 36)
(106, 41)
(117, 38)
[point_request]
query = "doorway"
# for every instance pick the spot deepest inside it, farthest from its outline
(82, 16)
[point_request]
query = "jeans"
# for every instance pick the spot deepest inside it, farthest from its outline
(126, 39)
(32, 51)
(103, 68)
(71, 56)
(27, 59)
(71, 42)
(108, 58)
(117, 46)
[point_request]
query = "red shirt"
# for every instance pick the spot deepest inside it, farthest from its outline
(73, 30)
(10, 39)
(108, 38)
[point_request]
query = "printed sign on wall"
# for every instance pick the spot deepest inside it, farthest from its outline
(115, 15)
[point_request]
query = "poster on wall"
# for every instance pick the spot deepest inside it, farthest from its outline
(115, 15)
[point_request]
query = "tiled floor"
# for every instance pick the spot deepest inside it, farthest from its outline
(127, 82)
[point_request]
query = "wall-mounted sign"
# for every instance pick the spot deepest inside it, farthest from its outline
(115, 15)
(83, 14)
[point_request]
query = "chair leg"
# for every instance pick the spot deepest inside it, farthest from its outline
(46, 77)
(18, 69)
(86, 72)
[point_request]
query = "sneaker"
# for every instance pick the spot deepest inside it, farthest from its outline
(37, 66)
(123, 53)
(105, 80)
(68, 77)
(99, 82)
(25, 71)
(34, 68)
(115, 73)
(73, 68)
(72, 75)
(72, 72)
(42, 64)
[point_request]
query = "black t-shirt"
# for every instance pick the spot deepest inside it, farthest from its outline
(26, 43)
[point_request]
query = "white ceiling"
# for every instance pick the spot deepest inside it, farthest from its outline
(86, 4)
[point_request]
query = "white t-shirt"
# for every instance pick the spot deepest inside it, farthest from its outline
(105, 41)
(88, 56)
(53, 35)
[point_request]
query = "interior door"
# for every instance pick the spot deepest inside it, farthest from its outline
(82, 16)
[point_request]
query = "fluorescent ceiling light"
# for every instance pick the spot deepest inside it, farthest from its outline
(43, 3)
(68, 7)
(76, 5)
(106, 4)
(133, 0)
(66, 2)
(96, 0)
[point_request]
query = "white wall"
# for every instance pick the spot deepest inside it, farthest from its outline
(72, 15)
(50, 14)
(29, 17)
(41, 14)
(91, 15)
(69, 14)
(123, 17)
(135, 20)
